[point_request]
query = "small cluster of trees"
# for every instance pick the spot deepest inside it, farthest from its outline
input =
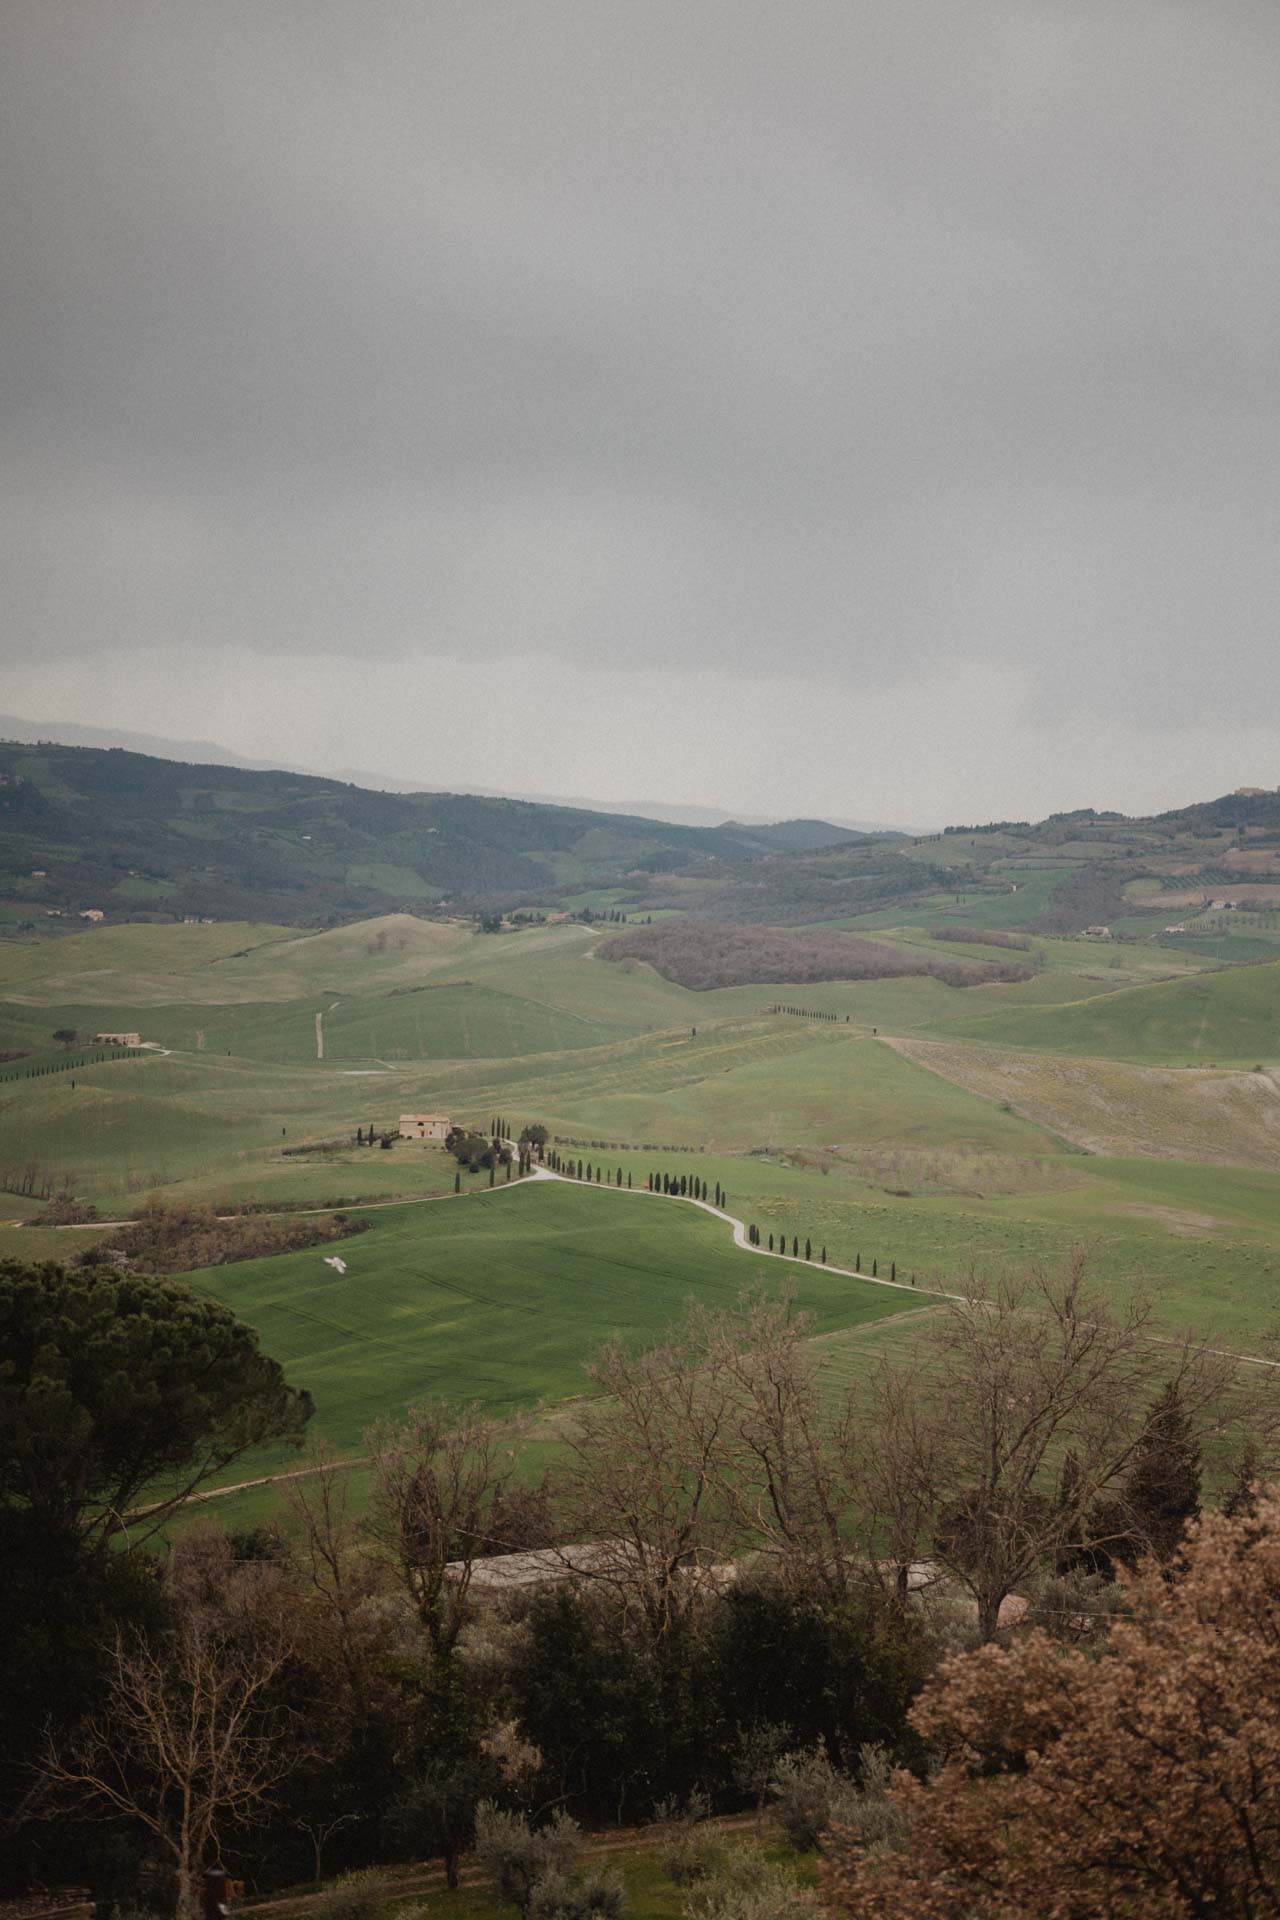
(474, 1151)
(623, 1146)
(756, 1240)
(809, 1013)
(386, 1138)
(980, 937)
(179, 1239)
(579, 1170)
(687, 1185)
(67, 1065)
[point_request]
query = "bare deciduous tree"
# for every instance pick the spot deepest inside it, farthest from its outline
(781, 1478)
(990, 1447)
(188, 1740)
(438, 1486)
(644, 1476)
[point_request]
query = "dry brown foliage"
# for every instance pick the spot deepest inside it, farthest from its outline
(180, 1239)
(1143, 1781)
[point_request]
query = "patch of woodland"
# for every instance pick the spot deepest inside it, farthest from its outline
(702, 954)
(981, 937)
(1088, 897)
(178, 1239)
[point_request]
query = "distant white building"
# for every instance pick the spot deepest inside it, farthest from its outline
(424, 1126)
(1097, 933)
(94, 914)
(119, 1039)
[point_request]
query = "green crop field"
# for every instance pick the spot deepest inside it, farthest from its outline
(499, 1297)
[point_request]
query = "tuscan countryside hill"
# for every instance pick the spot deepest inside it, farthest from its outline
(909, 1055)
(133, 836)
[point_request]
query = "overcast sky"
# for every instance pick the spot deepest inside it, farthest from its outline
(868, 409)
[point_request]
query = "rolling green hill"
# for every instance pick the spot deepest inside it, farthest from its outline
(1230, 1017)
(136, 836)
(86, 827)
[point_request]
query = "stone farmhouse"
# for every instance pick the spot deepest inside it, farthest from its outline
(119, 1039)
(424, 1126)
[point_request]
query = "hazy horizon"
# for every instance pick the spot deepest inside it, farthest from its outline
(850, 412)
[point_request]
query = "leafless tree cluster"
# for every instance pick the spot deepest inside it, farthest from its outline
(710, 953)
(998, 1446)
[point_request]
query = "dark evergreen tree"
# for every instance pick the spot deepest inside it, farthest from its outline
(808, 1248)
(1161, 1491)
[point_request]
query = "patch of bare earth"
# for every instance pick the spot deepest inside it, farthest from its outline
(1189, 1226)
(1108, 1106)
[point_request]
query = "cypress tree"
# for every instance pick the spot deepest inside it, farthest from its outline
(893, 1269)
(808, 1248)
(508, 1173)
(1162, 1487)
(628, 1180)
(771, 1243)
(824, 1256)
(795, 1245)
(457, 1181)
(873, 1270)
(492, 1173)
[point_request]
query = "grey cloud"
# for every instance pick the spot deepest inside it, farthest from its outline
(849, 339)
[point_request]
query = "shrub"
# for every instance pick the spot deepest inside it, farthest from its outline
(596, 1896)
(748, 1887)
(515, 1857)
(356, 1896)
(810, 1795)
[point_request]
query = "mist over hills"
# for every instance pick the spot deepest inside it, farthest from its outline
(138, 836)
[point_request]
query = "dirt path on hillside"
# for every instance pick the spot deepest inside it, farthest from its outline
(422, 1876)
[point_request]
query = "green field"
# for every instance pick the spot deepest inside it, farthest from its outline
(931, 1129)
(1225, 1018)
(500, 1297)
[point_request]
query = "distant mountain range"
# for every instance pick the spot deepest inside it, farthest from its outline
(135, 836)
(208, 753)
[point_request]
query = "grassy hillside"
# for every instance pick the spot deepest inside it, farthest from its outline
(500, 1297)
(137, 836)
(127, 833)
(1225, 1018)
